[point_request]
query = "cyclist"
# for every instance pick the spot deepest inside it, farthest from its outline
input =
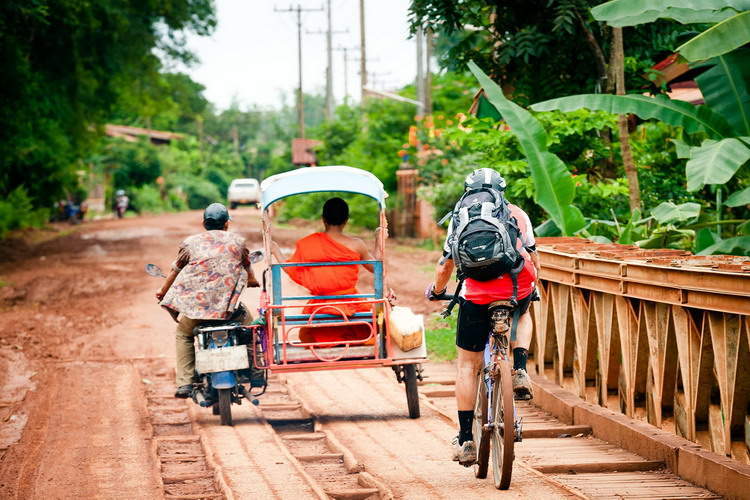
(474, 324)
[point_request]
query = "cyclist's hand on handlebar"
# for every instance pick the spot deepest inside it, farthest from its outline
(432, 295)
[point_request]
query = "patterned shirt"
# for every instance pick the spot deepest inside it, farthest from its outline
(212, 274)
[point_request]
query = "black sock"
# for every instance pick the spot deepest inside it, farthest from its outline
(465, 420)
(520, 355)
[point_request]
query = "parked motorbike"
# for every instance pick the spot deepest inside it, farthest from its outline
(224, 359)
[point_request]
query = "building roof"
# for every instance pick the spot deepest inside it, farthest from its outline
(131, 134)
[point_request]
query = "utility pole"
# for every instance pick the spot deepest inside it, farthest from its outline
(419, 83)
(428, 73)
(329, 54)
(346, 50)
(300, 98)
(362, 50)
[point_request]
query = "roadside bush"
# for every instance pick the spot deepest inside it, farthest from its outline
(363, 211)
(200, 192)
(147, 199)
(17, 212)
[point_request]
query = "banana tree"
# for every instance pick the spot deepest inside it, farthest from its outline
(725, 116)
(554, 187)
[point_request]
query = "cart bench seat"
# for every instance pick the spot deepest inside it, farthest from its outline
(303, 319)
(297, 354)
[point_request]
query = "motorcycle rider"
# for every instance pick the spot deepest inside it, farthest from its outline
(206, 281)
(474, 324)
(121, 203)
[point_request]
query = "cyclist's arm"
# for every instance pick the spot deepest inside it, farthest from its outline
(535, 260)
(443, 274)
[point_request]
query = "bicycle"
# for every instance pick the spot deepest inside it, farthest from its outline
(494, 409)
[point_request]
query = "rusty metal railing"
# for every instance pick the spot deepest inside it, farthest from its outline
(660, 335)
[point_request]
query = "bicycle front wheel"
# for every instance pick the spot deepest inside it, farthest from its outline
(503, 431)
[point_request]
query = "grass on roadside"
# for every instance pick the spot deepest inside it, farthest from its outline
(441, 337)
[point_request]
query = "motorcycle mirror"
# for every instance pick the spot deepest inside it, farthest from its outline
(155, 271)
(256, 256)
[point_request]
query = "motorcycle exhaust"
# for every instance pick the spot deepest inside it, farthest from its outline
(199, 398)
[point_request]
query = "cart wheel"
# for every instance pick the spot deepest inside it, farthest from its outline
(412, 395)
(225, 406)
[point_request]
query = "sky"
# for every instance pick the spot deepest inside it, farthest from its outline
(252, 55)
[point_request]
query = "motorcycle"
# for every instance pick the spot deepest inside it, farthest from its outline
(121, 205)
(224, 359)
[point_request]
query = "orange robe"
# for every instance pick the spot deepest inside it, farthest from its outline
(328, 280)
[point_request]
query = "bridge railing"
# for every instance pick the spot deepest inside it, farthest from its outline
(660, 335)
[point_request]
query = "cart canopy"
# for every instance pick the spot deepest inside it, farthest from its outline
(321, 179)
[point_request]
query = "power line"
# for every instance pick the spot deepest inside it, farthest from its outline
(329, 54)
(300, 97)
(346, 51)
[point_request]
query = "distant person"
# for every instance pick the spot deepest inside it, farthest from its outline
(121, 203)
(207, 279)
(331, 245)
(481, 187)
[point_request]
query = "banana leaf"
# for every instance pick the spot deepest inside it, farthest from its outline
(682, 114)
(715, 162)
(725, 89)
(704, 239)
(739, 245)
(667, 212)
(631, 12)
(553, 184)
(718, 39)
(682, 16)
(739, 198)
(681, 148)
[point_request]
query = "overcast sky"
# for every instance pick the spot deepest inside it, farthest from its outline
(252, 55)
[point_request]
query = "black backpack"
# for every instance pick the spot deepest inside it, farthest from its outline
(483, 243)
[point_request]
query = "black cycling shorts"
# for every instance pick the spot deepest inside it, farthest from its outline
(473, 327)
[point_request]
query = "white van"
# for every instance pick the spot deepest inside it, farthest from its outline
(243, 192)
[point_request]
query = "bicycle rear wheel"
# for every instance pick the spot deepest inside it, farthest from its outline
(481, 435)
(503, 432)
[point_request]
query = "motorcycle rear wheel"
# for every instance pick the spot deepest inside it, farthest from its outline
(225, 406)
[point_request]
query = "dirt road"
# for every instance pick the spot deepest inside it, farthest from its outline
(86, 409)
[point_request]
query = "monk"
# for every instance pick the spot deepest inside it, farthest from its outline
(332, 245)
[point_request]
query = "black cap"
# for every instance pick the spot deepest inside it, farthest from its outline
(215, 216)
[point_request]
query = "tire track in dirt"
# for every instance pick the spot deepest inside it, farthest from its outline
(182, 465)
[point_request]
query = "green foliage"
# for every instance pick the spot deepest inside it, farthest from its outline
(539, 48)
(554, 186)
(440, 336)
(668, 212)
(724, 88)
(363, 211)
(17, 212)
(719, 39)
(65, 66)
(715, 162)
(621, 13)
(739, 245)
(677, 113)
(739, 198)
